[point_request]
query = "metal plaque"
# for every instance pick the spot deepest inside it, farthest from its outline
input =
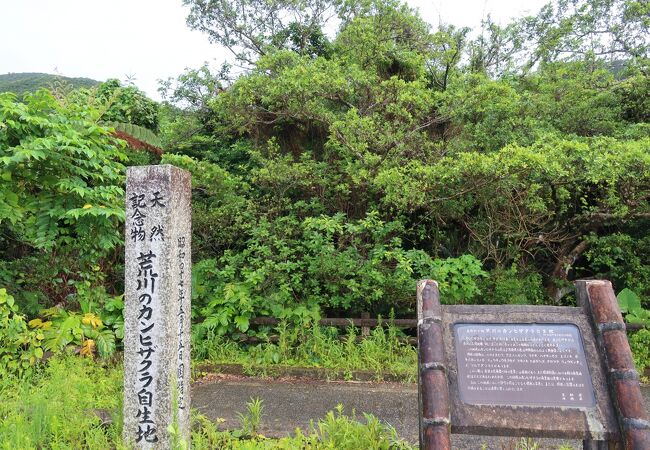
(522, 365)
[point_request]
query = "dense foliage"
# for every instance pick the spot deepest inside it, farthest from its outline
(394, 151)
(61, 203)
(335, 171)
(61, 210)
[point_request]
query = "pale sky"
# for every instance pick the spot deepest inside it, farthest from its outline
(148, 39)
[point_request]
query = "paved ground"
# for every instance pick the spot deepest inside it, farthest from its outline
(289, 404)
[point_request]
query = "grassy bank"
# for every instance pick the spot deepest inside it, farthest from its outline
(382, 353)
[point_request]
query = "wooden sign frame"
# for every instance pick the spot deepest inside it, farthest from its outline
(617, 420)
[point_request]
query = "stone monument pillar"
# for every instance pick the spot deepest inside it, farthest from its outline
(157, 306)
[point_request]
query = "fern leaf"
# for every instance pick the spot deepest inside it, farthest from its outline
(137, 136)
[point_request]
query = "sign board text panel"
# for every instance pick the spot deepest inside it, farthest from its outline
(522, 365)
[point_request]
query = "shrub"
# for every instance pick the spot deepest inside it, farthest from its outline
(20, 347)
(54, 408)
(640, 345)
(622, 258)
(512, 286)
(295, 270)
(61, 189)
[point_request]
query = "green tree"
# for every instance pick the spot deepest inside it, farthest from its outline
(253, 28)
(61, 185)
(127, 104)
(575, 29)
(516, 146)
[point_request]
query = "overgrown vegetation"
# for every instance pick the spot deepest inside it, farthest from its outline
(56, 408)
(328, 176)
(381, 353)
(53, 407)
(640, 345)
(335, 171)
(335, 431)
(76, 403)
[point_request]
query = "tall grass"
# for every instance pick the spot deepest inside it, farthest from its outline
(54, 408)
(382, 352)
(335, 431)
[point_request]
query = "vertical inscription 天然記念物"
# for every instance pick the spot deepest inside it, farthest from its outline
(522, 364)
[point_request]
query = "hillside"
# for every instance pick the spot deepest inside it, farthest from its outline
(29, 82)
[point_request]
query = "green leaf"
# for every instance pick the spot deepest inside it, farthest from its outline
(62, 333)
(635, 319)
(105, 341)
(628, 301)
(242, 323)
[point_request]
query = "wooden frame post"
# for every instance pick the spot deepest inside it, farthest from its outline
(433, 390)
(598, 300)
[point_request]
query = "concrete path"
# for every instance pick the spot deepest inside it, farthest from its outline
(291, 404)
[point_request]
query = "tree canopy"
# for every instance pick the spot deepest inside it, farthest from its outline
(361, 149)
(523, 145)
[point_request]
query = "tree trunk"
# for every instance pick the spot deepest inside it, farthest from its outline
(557, 287)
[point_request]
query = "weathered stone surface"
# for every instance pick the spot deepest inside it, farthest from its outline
(157, 305)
